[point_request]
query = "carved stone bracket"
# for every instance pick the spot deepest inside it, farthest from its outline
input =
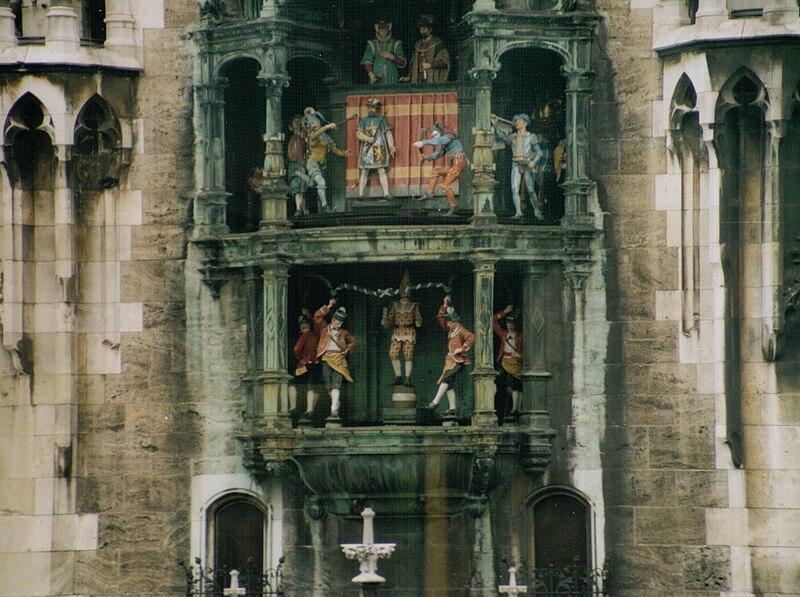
(578, 263)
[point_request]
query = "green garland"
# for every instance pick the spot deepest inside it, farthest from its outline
(385, 292)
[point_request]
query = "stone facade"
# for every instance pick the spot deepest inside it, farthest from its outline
(149, 301)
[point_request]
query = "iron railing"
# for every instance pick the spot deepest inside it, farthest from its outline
(572, 581)
(211, 582)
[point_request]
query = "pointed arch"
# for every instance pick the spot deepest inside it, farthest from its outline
(742, 89)
(28, 114)
(684, 100)
(97, 129)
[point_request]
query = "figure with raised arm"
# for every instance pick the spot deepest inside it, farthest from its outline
(306, 373)
(376, 146)
(319, 146)
(335, 343)
(525, 156)
(295, 166)
(405, 316)
(509, 354)
(430, 62)
(445, 143)
(383, 56)
(459, 342)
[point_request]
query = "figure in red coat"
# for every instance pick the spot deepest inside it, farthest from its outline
(509, 354)
(459, 342)
(306, 371)
(335, 343)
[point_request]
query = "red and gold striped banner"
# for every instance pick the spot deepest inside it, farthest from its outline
(409, 115)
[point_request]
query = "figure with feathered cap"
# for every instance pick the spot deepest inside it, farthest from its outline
(383, 56)
(459, 342)
(446, 142)
(430, 62)
(306, 371)
(335, 343)
(525, 156)
(319, 146)
(405, 316)
(509, 354)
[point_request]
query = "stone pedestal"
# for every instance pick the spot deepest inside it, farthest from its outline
(404, 406)
(333, 422)
(449, 421)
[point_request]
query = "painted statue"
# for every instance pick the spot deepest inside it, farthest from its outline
(509, 354)
(383, 56)
(430, 62)
(405, 317)
(319, 146)
(459, 342)
(525, 156)
(446, 142)
(335, 343)
(307, 369)
(376, 146)
(295, 166)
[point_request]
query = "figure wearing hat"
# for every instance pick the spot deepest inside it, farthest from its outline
(509, 354)
(295, 169)
(319, 145)
(447, 176)
(525, 155)
(376, 146)
(405, 316)
(383, 56)
(459, 342)
(430, 62)
(306, 371)
(335, 343)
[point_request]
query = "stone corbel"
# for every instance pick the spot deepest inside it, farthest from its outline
(577, 264)
(213, 276)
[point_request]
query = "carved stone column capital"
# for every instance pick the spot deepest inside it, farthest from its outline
(483, 75)
(273, 83)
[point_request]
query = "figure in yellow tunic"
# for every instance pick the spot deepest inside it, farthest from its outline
(335, 343)
(319, 145)
(509, 355)
(459, 342)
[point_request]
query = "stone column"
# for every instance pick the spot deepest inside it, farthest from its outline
(270, 8)
(119, 27)
(211, 203)
(64, 220)
(63, 28)
(483, 181)
(781, 12)
(577, 184)
(534, 363)
(8, 33)
(771, 249)
(710, 15)
(12, 264)
(483, 354)
(275, 377)
(483, 5)
(274, 189)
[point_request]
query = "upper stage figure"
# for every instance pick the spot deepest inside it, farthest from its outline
(383, 56)
(430, 62)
